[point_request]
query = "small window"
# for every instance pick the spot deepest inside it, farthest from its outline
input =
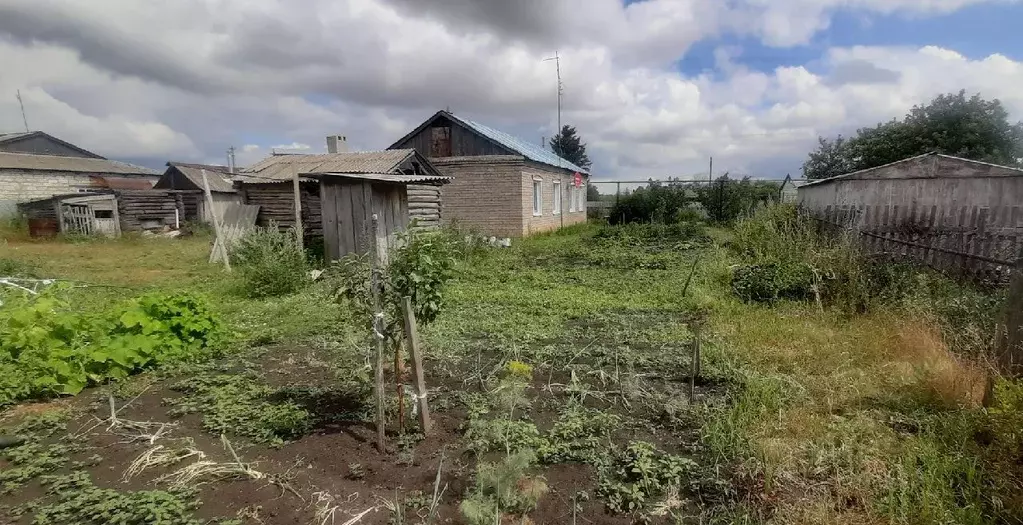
(537, 197)
(103, 214)
(581, 191)
(557, 198)
(571, 199)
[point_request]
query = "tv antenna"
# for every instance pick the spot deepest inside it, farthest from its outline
(23, 117)
(561, 91)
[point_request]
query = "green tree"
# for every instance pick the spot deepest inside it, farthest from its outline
(592, 194)
(829, 160)
(953, 124)
(568, 146)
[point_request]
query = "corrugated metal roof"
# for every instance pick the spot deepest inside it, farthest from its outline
(122, 183)
(858, 173)
(387, 177)
(23, 161)
(218, 176)
(285, 167)
(526, 149)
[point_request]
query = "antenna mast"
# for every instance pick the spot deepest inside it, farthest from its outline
(557, 64)
(23, 117)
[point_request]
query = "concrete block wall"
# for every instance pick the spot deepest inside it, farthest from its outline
(485, 193)
(548, 220)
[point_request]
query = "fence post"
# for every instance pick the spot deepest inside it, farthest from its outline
(1010, 354)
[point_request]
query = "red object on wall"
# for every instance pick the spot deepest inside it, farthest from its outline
(578, 180)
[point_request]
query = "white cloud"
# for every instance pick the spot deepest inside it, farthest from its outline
(189, 79)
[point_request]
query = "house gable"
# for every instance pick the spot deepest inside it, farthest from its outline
(41, 143)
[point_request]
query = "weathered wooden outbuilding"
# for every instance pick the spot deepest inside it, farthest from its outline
(109, 212)
(187, 176)
(270, 184)
(348, 202)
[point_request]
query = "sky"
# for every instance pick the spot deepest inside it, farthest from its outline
(654, 87)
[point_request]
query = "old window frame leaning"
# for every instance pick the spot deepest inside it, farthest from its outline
(558, 197)
(537, 197)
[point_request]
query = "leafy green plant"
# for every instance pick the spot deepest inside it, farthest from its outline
(79, 501)
(271, 262)
(242, 404)
(579, 434)
(503, 489)
(633, 476)
(47, 350)
(419, 268)
(38, 454)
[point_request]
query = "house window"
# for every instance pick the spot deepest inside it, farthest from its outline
(557, 197)
(581, 193)
(103, 214)
(571, 199)
(537, 197)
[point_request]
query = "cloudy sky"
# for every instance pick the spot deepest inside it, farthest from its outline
(654, 86)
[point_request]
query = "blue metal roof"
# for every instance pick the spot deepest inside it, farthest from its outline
(526, 149)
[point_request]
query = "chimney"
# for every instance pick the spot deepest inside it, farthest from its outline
(337, 144)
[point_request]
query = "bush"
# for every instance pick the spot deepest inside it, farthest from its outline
(46, 350)
(504, 491)
(271, 262)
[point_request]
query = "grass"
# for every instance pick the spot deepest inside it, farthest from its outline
(802, 415)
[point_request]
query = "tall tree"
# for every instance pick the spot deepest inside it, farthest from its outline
(953, 124)
(568, 146)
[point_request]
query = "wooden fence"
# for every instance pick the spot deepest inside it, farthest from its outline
(980, 242)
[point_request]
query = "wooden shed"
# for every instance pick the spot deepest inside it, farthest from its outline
(110, 212)
(348, 202)
(270, 184)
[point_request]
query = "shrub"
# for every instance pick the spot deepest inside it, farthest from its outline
(47, 350)
(271, 262)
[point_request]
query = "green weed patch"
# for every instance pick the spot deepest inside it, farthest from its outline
(47, 350)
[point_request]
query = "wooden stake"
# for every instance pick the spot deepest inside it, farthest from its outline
(412, 337)
(694, 365)
(220, 241)
(399, 378)
(378, 335)
(298, 211)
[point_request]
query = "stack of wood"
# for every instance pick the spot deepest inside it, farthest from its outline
(142, 209)
(424, 205)
(276, 203)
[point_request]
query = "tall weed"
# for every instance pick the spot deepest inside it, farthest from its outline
(271, 262)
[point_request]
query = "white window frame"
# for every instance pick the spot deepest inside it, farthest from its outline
(581, 192)
(537, 197)
(558, 197)
(571, 198)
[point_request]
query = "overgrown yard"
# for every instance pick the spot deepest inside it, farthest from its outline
(559, 373)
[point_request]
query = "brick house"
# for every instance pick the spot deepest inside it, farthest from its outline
(25, 177)
(502, 185)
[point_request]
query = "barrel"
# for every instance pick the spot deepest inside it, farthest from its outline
(47, 228)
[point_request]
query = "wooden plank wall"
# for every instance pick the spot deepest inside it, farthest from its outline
(277, 203)
(348, 208)
(975, 241)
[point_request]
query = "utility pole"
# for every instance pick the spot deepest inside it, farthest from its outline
(23, 117)
(710, 172)
(557, 64)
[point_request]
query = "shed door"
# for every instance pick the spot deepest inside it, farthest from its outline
(440, 142)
